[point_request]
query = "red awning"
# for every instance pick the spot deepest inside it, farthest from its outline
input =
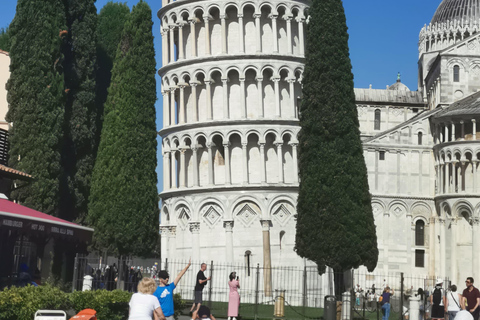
(17, 217)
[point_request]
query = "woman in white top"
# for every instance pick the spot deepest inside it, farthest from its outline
(453, 302)
(144, 305)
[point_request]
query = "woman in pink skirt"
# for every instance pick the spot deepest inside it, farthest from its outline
(233, 297)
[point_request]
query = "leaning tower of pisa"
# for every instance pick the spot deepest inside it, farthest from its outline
(231, 86)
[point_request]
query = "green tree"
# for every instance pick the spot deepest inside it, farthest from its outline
(335, 225)
(80, 109)
(123, 203)
(36, 101)
(5, 39)
(110, 22)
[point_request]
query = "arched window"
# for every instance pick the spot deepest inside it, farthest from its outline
(420, 233)
(377, 119)
(456, 73)
(420, 137)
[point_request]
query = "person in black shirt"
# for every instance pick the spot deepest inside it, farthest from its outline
(199, 285)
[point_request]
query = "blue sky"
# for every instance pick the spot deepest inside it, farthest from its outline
(383, 40)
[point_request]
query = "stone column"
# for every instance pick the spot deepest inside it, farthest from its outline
(173, 170)
(260, 96)
(442, 246)
(474, 131)
(195, 230)
(474, 164)
(193, 85)
(172, 105)
(181, 53)
(165, 47)
(462, 173)
(240, 32)
(166, 107)
(278, 112)
(301, 36)
(164, 234)
(280, 161)
(267, 260)
(453, 131)
(224, 33)
(295, 161)
(463, 130)
(166, 168)
(209, 98)
(448, 177)
(245, 162)
(263, 174)
(181, 108)
(289, 34)
(433, 238)
(195, 165)
(454, 177)
(275, 32)
(242, 98)
(453, 250)
(226, 151)
(228, 225)
(291, 82)
(193, 38)
(258, 32)
(475, 247)
(172, 43)
(210, 163)
(172, 231)
(226, 113)
(206, 19)
(182, 168)
(442, 188)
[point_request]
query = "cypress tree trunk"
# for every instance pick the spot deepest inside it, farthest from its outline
(36, 101)
(79, 150)
(335, 225)
(124, 201)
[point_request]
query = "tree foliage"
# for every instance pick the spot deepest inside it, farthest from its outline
(124, 203)
(36, 100)
(80, 109)
(335, 225)
(4, 39)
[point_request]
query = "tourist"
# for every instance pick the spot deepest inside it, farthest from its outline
(438, 301)
(453, 302)
(199, 285)
(233, 297)
(386, 302)
(143, 304)
(164, 292)
(203, 313)
(470, 298)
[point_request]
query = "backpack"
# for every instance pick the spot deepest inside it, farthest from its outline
(437, 296)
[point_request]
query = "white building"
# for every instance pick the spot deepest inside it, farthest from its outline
(231, 80)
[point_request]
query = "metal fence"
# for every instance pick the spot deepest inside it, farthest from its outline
(302, 288)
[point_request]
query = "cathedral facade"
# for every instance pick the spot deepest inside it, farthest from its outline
(231, 86)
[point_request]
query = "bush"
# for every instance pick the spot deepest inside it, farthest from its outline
(22, 303)
(178, 304)
(111, 305)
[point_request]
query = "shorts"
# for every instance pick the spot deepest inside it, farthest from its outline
(198, 297)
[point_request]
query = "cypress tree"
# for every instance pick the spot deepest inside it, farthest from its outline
(80, 110)
(335, 225)
(36, 100)
(124, 202)
(4, 39)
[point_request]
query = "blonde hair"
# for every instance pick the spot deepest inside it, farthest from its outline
(147, 286)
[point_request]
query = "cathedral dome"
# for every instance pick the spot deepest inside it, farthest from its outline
(451, 10)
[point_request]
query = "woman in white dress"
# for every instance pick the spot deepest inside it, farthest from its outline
(143, 304)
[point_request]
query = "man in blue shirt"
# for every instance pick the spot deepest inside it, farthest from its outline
(164, 292)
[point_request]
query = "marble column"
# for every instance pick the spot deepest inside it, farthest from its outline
(245, 162)
(462, 172)
(210, 163)
(164, 234)
(172, 43)
(183, 170)
(258, 29)
(260, 96)
(166, 168)
(242, 98)
(275, 32)
(267, 260)
(228, 225)
(195, 230)
(443, 251)
(226, 113)
(278, 112)
(195, 165)
(280, 161)
(165, 47)
(209, 98)
(463, 130)
(295, 161)
(448, 177)
(224, 33)
(172, 243)
(289, 34)
(173, 170)
(240, 32)
(166, 108)
(474, 164)
(193, 38)
(291, 83)
(181, 107)
(453, 131)
(474, 130)
(453, 250)
(433, 238)
(206, 19)
(193, 85)
(301, 36)
(181, 53)
(263, 173)
(172, 105)
(226, 152)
